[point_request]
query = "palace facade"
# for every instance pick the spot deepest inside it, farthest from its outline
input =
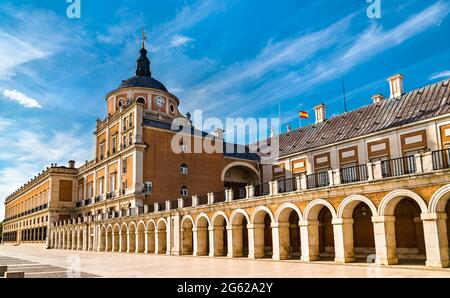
(372, 184)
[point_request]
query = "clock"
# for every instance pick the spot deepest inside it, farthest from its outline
(159, 101)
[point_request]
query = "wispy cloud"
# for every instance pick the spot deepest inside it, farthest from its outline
(180, 40)
(440, 75)
(21, 98)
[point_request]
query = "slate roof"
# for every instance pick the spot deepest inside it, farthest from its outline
(143, 81)
(423, 103)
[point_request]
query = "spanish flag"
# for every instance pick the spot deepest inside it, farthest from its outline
(303, 114)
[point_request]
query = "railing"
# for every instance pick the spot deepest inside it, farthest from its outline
(441, 159)
(398, 166)
(239, 193)
(87, 202)
(287, 185)
(187, 202)
(354, 174)
(150, 208)
(317, 180)
(219, 196)
(262, 190)
(78, 204)
(161, 206)
(140, 209)
(202, 199)
(173, 204)
(97, 199)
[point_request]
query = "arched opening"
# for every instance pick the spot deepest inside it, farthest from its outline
(202, 237)
(363, 234)
(289, 234)
(262, 235)
(131, 238)
(141, 238)
(123, 239)
(409, 237)
(150, 237)
(220, 235)
(239, 233)
(237, 177)
(109, 239)
(102, 238)
(326, 234)
(187, 237)
(116, 238)
(81, 241)
(162, 237)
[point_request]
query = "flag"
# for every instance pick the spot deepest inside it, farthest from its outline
(303, 114)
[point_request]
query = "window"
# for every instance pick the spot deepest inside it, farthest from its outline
(114, 144)
(124, 166)
(130, 139)
(172, 109)
(184, 169)
(124, 126)
(124, 142)
(112, 182)
(130, 121)
(184, 191)
(124, 186)
(148, 187)
(102, 150)
(100, 186)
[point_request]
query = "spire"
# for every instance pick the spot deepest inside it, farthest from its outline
(143, 63)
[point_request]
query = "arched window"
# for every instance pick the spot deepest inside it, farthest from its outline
(124, 126)
(184, 169)
(130, 121)
(130, 139)
(184, 191)
(124, 142)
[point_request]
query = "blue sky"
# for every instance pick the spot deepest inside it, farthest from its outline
(231, 58)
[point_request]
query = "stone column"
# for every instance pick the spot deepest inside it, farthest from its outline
(280, 240)
(427, 161)
(377, 174)
(256, 241)
(129, 242)
(385, 245)
(176, 235)
(137, 238)
(309, 234)
(212, 241)
(157, 252)
(343, 240)
(273, 188)
(436, 241)
(298, 182)
(233, 241)
(303, 182)
(369, 171)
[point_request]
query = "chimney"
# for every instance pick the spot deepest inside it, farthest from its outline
(377, 98)
(396, 85)
(71, 164)
(320, 113)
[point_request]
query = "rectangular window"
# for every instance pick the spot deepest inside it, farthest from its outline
(114, 144)
(102, 151)
(112, 182)
(100, 186)
(124, 166)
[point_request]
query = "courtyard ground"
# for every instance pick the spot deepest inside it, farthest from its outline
(36, 261)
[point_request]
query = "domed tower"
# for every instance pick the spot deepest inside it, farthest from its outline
(143, 88)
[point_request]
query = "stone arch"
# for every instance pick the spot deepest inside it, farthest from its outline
(313, 208)
(150, 228)
(239, 164)
(109, 238)
(187, 235)
(219, 223)
(346, 207)
(116, 237)
(131, 237)
(102, 244)
(390, 201)
(439, 200)
(161, 238)
(238, 221)
(261, 222)
(140, 239)
(288, 217)
(201, 235)
(123, 237)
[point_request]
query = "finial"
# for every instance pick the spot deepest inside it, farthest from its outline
(144, 38)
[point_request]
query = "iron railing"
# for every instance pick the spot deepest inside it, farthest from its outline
(317, 180)
(262, 189)
(398, 166)
(441, 159)
(287, 185)
(202, 199)
(239, 193)
(219, 196)
(354, 174)
(187, 202)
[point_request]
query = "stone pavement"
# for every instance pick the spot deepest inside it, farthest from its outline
(36, 261)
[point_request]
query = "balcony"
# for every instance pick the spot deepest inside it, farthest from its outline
(87, 202)
(317, 180)
(398, 166)
(354, 174)
(441, 159)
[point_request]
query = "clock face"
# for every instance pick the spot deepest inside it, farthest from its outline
(159, 101)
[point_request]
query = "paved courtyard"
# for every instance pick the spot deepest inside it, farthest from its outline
(37, 261)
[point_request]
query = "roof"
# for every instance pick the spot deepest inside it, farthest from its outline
(421, 104)
(143, 81)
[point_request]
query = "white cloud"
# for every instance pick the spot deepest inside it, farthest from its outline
(21, 98)
(180, 40)
(440, 75)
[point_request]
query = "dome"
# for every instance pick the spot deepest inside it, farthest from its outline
(143, 81)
